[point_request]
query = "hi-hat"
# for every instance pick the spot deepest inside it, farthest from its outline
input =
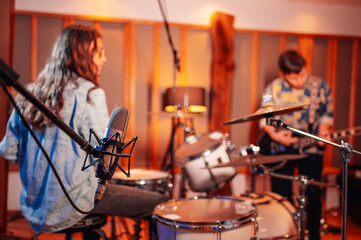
(264, 112)
(258, 159)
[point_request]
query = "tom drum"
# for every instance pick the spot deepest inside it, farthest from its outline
(203, 151)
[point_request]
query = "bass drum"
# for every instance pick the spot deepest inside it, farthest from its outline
(205, 218)
(203, 151)
(274, 216)
(152, 180)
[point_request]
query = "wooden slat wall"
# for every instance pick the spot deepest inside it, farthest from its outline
(332, 81)
(6, 52)
(33, 47)
(155, 99)
(353, 86)
(305, 46)
(254, 85)
(129, 80)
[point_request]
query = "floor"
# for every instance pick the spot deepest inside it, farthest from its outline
(19, 229)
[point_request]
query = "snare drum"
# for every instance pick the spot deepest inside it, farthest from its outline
(152, 180)
(274, 216)
(203, 151)
(205, 218)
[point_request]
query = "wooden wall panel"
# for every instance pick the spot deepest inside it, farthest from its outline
(320, 57)
(357, 117)
(129, 78)
(7, 33)
(291, 42)
(33, 48)
(342, 106)
(222, 68)
(353, 88)
(48, 30)
(139, 70)
(254, 87)
(155, 101)
(305, 47)
(112, 75)
(198, 71)
(332, 56)
(144, 66)
(241, 93)
(21, 55)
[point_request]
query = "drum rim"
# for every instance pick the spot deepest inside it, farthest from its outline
(219, 225)
(139, 181)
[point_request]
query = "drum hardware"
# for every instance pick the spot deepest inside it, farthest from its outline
(198, 154)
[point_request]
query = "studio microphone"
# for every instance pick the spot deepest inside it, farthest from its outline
(106, 165)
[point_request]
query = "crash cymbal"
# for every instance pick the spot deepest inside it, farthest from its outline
(269, 111)
(258, 159)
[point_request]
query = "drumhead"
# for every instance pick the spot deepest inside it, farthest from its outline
(205, 212)
(195, 146)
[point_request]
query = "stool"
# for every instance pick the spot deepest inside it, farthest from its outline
(91, 223)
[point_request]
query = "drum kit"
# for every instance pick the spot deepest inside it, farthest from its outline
(206, 162)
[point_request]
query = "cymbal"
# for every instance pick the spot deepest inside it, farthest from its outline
(258, 159)
(269, 111)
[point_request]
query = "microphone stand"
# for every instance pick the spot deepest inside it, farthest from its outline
(346, 151)
(176, 67)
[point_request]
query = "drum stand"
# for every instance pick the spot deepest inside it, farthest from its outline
(346, 150)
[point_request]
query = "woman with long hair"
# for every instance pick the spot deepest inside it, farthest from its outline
(69, 86)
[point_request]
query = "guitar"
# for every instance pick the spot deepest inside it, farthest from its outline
(270, 147)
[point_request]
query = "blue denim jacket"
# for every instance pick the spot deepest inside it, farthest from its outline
(42, 201)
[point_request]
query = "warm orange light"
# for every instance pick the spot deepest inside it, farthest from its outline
(187, 99)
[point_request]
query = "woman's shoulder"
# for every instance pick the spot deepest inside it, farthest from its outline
(81, 86)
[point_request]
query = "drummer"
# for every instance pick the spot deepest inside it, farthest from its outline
(296, 86)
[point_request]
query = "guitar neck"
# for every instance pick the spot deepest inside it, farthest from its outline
(337, 135)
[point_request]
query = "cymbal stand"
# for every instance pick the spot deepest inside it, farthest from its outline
(346, 150)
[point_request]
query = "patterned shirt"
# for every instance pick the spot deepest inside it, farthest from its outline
(42, 201)
(283, 95)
